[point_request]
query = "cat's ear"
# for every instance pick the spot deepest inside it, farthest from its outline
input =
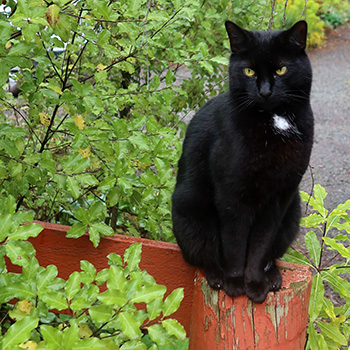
(297, 35)
(237, 36)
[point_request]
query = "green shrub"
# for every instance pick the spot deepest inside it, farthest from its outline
(296, 10)
(94, 137)
(335, 13)
(96, 319)
(329, 325)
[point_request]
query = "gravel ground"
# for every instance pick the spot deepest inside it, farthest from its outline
(330, 101)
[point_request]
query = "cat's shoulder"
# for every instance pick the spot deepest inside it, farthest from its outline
(214, 108)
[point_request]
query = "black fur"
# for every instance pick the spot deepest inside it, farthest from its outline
(236, 205)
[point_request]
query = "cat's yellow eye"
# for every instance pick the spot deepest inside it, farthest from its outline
(281, 71)
(249, 72)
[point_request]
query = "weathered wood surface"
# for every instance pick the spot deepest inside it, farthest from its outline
(220, 322)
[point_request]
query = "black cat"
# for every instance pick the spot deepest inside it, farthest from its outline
(236, 205)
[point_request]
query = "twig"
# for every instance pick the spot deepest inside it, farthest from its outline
(312, 188)
(322, 245)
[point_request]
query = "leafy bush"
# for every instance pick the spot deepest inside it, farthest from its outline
(335, 13)
(299, 9)
(329, 326)
(98, 318)
(94, 137)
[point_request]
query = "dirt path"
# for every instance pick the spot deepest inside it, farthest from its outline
(331, 105)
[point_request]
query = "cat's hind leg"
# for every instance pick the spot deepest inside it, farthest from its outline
(199, 240)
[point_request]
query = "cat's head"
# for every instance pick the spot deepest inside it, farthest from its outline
(269, 70)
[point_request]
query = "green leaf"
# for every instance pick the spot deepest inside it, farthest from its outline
(103, 37)
(26, 231)
(173, 327)
(207, 66)
(134, 345)
(172, 302)
(343, 207)
(114, 259)
(113, 197)
(329, 309)
(6, 225)
(82, 215)
(149, 293)
(312, 337)
(318, 201)
(132, 256)
(113, 297)
(89, 274)
(337, 283)
(77, 230)
(95, 343)
(158, 334)
(94, 236)
(19, 332)
(296, 257)
(52, 336)
(54, 300)
(70, 336)
(169, 78)
(154, 308)
(333, 332)
(313, 245)
(220, 59)
(20, 290)
(316, 297)
(96, 211)
(101, 313)
(116, 278)
(313, 220)
(19, 252)
(129, 325)
(73, 187)
(102, 229)
(45, 277)
(72, 286)
(344, 252)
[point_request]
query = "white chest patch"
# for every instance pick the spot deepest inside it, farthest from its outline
(281, 123)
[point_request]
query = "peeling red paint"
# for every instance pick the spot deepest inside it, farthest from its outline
(238, 324)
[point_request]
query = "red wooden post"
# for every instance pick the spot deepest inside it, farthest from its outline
(220, 322)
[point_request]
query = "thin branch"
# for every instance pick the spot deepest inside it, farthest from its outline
(322, 245)
(52, 63)
(23, 117)
(166, 23)
(284, 14)
(270, 25)
(311, 190)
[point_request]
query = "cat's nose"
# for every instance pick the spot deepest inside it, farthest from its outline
(265, 90)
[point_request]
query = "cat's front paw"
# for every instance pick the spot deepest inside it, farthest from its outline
(274, 277)
(257, 290)
(234, 286)
(214, 279)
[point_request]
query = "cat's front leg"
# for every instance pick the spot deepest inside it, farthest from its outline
(234, 236)
(261, 274)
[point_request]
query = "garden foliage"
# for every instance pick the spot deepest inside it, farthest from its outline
(329, 326)
(93, 138)
(102, 312)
